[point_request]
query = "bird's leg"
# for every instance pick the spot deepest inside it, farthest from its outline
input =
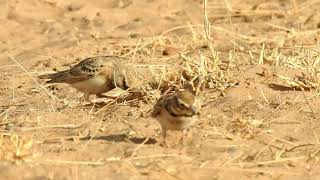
(184, 134)
(164, 136)
(87, 97)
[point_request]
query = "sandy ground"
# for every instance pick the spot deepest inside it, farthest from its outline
(257, 124)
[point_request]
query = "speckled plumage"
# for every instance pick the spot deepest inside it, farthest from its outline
(176, 111)
(93, 75)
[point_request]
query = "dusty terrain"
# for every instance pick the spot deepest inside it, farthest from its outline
(260, 107)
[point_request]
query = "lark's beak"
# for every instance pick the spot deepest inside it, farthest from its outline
(194, 110)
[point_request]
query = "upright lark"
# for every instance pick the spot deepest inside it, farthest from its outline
(93, 75)
(176, 111)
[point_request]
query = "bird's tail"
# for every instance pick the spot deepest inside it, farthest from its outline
(59, 77)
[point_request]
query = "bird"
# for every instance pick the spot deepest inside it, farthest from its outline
(177, 111)
(93, 75)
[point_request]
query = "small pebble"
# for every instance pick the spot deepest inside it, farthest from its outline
(170, 51)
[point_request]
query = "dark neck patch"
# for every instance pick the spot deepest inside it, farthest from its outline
(172, 113)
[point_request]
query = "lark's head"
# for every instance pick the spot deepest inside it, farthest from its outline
(185, 103)
(120, 81)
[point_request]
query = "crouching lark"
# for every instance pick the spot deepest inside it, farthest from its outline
(93, 75)
(176, 111)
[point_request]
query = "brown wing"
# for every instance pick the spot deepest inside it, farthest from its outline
(157, 107)
(160, 104)
(86, 69)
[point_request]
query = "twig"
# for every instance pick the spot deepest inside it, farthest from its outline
(282, 140)
(44, 89)
(65, 126)
(232, 159)
(94, 134)
(313, 113)
(272, 112)
(111, 102)
(56, 139)
(9, 122)
(207, 29)
(108, 160)
(263, 96)
(159, 156)
(283, 160)
(141, 47)
(251, 170)
(13, 105)
(179, 27)
(299, 146)
(228, 11)
(316, 136)
(135, 51)
(96, 163)
(139, 146)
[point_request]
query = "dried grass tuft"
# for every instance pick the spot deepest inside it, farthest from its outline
(14, 147)
(245, 127)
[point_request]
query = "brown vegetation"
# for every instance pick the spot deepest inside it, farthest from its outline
(255, 65)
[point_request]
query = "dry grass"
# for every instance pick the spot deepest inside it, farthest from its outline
(15, 148)
(254, 131)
